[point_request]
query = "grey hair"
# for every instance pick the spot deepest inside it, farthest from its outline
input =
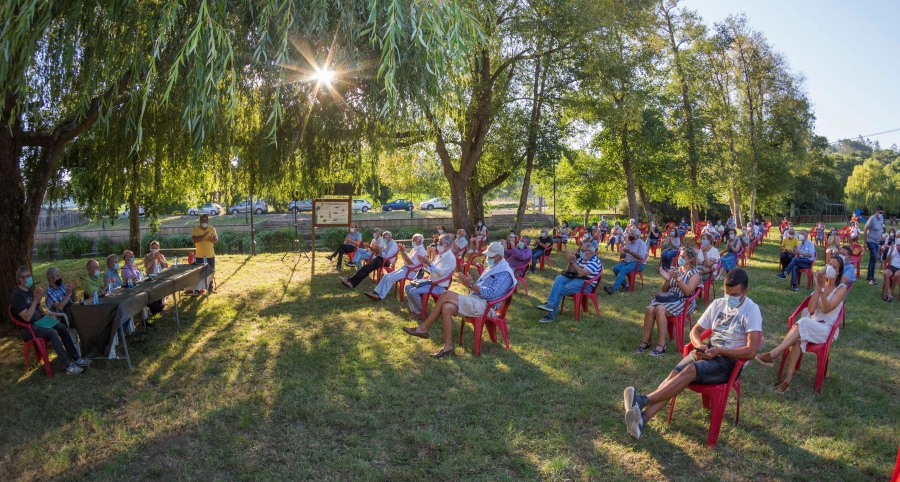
(21, 272)
(418, 236)
(387, 233)
(112, 259)
(446, 239)
(590, 246)
(52, 271)
(463, 232)
(525, 238)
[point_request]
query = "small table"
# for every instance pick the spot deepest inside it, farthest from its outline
(99, 324)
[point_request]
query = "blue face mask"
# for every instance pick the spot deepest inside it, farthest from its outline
(734, 301)
(29, 282)
(704, 242)
(97, 273)
(681, 262)
(116, 266)
(490, 262)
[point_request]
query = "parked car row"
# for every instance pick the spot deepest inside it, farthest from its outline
(305, 205)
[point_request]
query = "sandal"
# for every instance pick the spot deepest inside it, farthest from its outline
(768, 361)
(657, 352)
(643, 346)
(782, 387)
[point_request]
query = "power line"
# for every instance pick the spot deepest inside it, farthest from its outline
(867, 135)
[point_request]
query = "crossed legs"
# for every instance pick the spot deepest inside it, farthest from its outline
(674, 384)
(446, 308)
(791, 344)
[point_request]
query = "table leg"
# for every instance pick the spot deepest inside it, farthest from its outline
(175, 301)
(125, 346)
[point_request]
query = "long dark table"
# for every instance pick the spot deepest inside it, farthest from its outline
(99, 324)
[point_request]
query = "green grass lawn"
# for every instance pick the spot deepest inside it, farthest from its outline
(287, 375)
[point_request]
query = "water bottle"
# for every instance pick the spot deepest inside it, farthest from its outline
(111, 287)
(176, 260)
(130, 285)
(96, 298)
(156, 267)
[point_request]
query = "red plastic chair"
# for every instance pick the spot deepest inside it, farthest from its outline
(856, 256)
(675, 324)
(715, 397)
(492, 322)
(546, 255)
(400, 285)
(578, 234)
(350, 255)
(520, 277)
(821, 350)
(40, 346)
(639, 271)
(460, 256)
(432, 295)
(481, 242)
(896, 476)
(652, 249)
(742, 257)
(711, 282)
(387, 264)
(472, 262)
(581, 298)
(768, 228)
(808, 271)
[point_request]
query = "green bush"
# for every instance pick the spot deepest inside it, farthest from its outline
(104, 245)
(179, 241)
(332, 237)
(233, 243)
(44, 249)
(73, 245)
(274, 240)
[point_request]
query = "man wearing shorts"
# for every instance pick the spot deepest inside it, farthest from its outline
(736, 325)
(496, 281)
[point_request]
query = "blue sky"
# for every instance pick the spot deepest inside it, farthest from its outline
(849, 52)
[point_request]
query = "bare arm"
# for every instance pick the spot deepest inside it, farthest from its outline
(745, 352)
(27, 314)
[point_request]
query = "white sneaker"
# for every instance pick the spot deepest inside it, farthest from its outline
(634, 421)
(82, 362)
(73, 369)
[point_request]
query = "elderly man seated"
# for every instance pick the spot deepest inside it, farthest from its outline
(26, 308)
(544, 242)
(585, 264)
(130, 271)
(633, 253)
(94, 281)
(438, 269)
(60, 297)
(802, 258)
(517, 254)
(111, 277)
(497, 280)
(381, 253)
(365, 251)
(736, 324)
(411, 263)
(788, 246)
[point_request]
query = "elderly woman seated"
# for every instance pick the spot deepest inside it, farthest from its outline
(682, 282)
(733, 246)
(825, 305)
(707, 256)
(616, 236)
(832, 244)
(670, 246)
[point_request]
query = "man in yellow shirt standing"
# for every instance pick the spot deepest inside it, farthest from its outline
(205, 237)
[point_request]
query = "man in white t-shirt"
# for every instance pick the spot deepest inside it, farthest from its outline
(411, 263)
(736, 325)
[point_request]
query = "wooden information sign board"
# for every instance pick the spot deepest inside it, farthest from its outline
(331, 213)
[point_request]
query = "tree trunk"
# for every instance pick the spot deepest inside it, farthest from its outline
(16, 228)
(695, 216)
(645, 203)
(587, 215)
(538, 85)
(736, 209)
(134, 226)
(458, 203)
(629, 177)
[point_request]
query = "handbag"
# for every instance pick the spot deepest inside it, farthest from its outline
(666, 297)
(571, 274)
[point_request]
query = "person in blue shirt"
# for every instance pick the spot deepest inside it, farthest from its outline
(586, 264)
(803, 258)
(112, 271)
(849, 270)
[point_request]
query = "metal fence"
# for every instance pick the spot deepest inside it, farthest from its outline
(55, 220)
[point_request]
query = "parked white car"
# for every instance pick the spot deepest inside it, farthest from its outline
(361, 205)
(128, 211)
(212, 209)
(433, 203)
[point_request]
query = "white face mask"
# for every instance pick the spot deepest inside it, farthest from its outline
(352, 230)
(521, 245)
(204, 225)
(801, 237)
(830, 272)
(154, 251)
(441, 248)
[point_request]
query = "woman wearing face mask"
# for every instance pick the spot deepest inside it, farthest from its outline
(653, 235)
(479, 237)
(154, 261)
(351, 241)
(825, 304)
(458, 246)
(670, 247)
(517, 253)
(564, 232)
(832, 244)
(544, 242)
(683, 282)
(615, 236)
(733, 246)
(707, 257)
(892, 258)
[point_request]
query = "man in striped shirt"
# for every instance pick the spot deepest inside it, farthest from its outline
(584, 262)
(496, 281)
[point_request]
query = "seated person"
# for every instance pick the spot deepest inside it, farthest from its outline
(604, 228)
(351, 241)
(788, 230)
(747, 237)
(541, 245)
(846, 255)
(411, 263)
(784, 226)
(478, 237)
(365, 250)
(389, 251)
(820, 232)
(585, 264)
(736, 324)
(892, 258)
(854, 232)
(615, 236)
(440, 267)
(517, 253)
(434, 240)
(111, 277)
(496, 281)
(564, 233)
(632, 254)
(458, 246)
(155, 262)
(670, 246)
(825, 305)
(94, 281)
(733, 246)
(653, 235)
(711, 231)
(720, 229)
(832, 244)
(802, 259)
(130, 271)
(683, 227)
(788, 247)
(682, 281)
(707, 256)
(594, 236)
(60, 297)
(25, 306)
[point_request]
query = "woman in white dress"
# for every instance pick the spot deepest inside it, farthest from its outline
(682, 281)
(825, 304)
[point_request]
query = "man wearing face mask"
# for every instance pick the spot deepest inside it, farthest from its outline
(94, 280)
(541, 245)
(736, 324)
(112, 272)
(633, 253)
(389, 251)
(439, 268)
(802, 259)
(478, 237)
(517, 254)
(846, 254)
(155, 262)
(26, 307)
(351, 241)
(873, 230)
(788, 246)
(411, 263)
(130, 270)
(205, 237)
(365, 251)
(586, 265)
(496, 281)
(60, 297)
